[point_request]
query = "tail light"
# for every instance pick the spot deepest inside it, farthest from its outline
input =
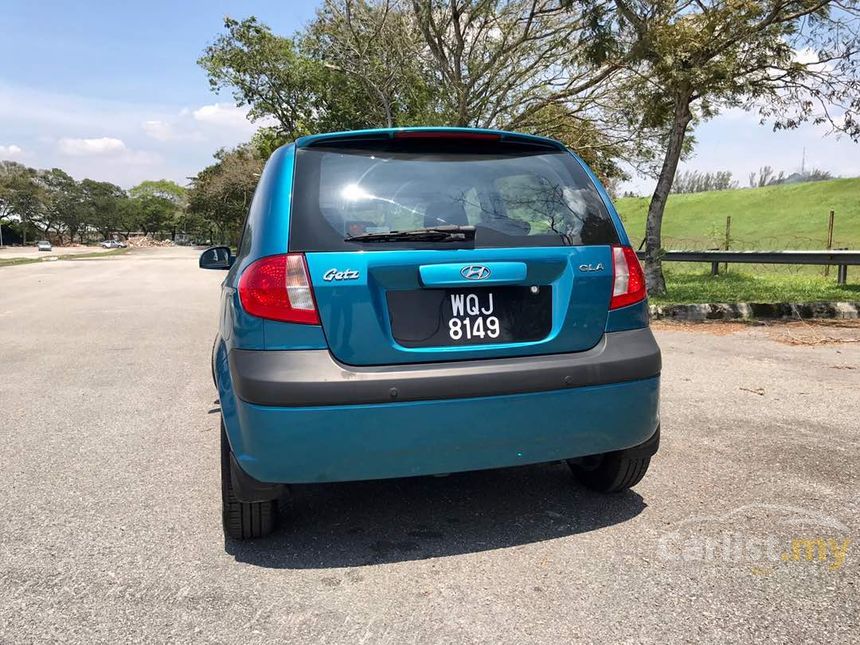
(277, 288)
(628, 280)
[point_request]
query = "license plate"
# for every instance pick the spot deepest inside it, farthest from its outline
(445, 317)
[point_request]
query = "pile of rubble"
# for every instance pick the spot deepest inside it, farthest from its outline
(142, 242)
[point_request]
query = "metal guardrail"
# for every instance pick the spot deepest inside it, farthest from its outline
(842, 259)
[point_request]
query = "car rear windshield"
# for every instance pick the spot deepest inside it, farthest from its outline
(367, 195)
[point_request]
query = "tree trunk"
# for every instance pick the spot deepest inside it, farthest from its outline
(653, 228)
(386, 104)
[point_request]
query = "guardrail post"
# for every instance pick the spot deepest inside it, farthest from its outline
(841, 274)
(728, 239)
(715, 268)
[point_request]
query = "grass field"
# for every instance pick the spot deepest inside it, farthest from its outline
(790, 216)
(775, 217)
(739, 286)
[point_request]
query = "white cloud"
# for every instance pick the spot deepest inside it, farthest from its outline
(223, 115)
(173, 128)
(91, 147)
(140, 158)
(160, 140)
(159, 130)
(10, 151)
(224, 119)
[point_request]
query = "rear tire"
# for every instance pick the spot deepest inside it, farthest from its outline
(610, 473)
(242, 520)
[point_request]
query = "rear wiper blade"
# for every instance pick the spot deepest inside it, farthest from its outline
(450, 233)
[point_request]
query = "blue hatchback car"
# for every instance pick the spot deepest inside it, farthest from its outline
(411, 302)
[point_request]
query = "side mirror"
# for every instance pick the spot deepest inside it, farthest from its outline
(216, 257)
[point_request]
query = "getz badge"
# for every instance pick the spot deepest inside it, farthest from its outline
(334, 274)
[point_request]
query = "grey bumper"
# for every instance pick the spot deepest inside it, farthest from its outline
(314, 377)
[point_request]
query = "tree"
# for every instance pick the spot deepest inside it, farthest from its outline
(529, 65)
(63, 209)
(693, 181)
(377, 44)
(129, 216)
(221, 193)
(268, 73)
(101, 203)
(158, 205)
(20, 195)
(600, 150)
(792, 60)
(764, 176)
(536, 66)
(499, 62)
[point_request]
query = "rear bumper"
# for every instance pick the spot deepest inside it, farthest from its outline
(300, 417)
(302, 378)
(377, 441)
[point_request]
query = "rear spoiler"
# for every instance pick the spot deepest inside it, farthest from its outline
(358, 138)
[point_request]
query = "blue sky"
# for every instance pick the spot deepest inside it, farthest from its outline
(111, 91)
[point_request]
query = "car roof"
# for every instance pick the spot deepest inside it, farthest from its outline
(314, 139)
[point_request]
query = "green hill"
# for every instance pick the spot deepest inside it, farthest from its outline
(790, 216)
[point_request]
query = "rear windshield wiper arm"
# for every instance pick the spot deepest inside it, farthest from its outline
(451, 233)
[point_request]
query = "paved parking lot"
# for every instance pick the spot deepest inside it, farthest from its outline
(32, 252)
(110, 512)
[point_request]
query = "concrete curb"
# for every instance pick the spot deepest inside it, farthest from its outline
(753, 310)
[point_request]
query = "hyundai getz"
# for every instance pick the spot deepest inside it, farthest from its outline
(410, 302)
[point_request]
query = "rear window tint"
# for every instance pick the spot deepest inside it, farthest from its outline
(512, 198)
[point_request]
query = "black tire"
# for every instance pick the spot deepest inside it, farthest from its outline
(242, 520)
(611, 472)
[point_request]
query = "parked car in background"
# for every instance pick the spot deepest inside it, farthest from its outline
(426, 301)
(44, 245)
(113, 244)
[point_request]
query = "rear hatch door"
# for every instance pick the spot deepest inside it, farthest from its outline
(441, 249)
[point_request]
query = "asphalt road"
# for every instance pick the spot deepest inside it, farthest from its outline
(109, 507)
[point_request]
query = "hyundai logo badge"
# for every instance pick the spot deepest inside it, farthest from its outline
(475, 272)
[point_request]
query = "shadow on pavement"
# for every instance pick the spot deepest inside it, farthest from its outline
(363, 523)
